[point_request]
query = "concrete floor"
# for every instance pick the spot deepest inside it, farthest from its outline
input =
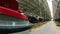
(48, 28)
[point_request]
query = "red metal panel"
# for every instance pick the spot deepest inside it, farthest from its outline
(13, 13)
(13, 4)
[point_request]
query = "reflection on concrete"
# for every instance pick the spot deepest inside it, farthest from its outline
(48, 28)
(23, 32)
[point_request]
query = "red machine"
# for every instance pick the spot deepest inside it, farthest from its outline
(10, 8)
(13, 13)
